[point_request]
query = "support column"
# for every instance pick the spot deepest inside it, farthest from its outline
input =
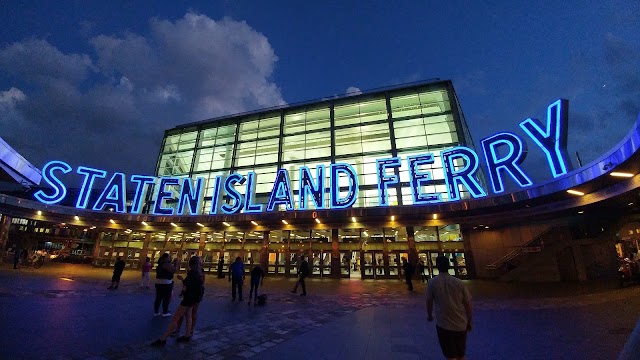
(96, 248)
(581, 271)
(145, 249)
(203, 240)
(411, 242)
(5, 223)
(335, 255)
(264, 252)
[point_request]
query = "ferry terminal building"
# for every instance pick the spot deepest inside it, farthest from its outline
(540, 233)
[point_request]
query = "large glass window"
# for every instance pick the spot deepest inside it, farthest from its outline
(419, 104)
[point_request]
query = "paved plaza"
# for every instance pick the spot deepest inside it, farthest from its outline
(64, 311)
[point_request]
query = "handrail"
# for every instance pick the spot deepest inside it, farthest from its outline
(517, 251)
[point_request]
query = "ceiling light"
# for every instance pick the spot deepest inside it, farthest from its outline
(199, 224)
(63, 224)
(225, 223)
(285, 222)
(254, 223)
(580, 212)
(575, 192)
(172, 224)
(435, 216)
(318, 221)
(93, 227)
(76, 217)
(145, 223)
(353, 219)
(630, 204)
(621, 174)
(111, 221)
(393, 218)
(486, 227)
(39, 212)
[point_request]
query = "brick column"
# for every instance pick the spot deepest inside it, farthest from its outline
(335, 254)
(264, 252)
(96, 247)
(145, 249)
(5, 223)
(203, 240)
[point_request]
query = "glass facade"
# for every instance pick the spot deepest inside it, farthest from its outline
(356, 130)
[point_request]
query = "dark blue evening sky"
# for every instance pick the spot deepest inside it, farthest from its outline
(96, 83)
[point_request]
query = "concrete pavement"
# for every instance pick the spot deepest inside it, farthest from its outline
(64, 311)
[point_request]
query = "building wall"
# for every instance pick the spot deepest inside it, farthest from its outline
(490, 245)
(355, 130)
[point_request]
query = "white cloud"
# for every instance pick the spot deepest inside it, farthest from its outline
(119, 100)
(352, 90)
(9, 98)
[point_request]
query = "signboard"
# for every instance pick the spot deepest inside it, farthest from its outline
(503, 153)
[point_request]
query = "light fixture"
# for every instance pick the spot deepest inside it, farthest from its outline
(254, 223)
(486, 227)
(393, 218)
(63, 224)
(111, 221)
(435, 216)
(318, 221)
(199, 224)
(630, 204)
(145, 223)
(39, 212)
(353, 219)
(93, 227)
(225, 223)
(581, 212)
(621, 174)
(174, 225)
(575, 192)
(76, 217)
(285, 222)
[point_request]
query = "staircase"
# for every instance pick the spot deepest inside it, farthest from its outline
(520, 254)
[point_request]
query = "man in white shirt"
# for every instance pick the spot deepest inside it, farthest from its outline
(452, 309)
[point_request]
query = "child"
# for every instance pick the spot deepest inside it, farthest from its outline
(146, 271)
(257, 278)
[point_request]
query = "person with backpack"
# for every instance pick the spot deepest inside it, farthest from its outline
(303, 272)
(408, 272)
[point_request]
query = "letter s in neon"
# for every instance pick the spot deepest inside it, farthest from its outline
(60, 191)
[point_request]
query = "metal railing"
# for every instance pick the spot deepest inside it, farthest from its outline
(512, 259)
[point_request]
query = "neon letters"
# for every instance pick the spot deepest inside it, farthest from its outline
(503, 153)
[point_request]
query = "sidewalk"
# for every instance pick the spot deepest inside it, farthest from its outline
(340, 319)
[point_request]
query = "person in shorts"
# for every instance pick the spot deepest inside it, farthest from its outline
(452, 309)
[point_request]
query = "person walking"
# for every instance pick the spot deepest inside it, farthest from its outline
(257, 279)
(421, 267)
(164, 284)
(16, 257)
(146, 273)
(452, 309)
(408, 273)
(303, 272)
(220, 267)
(118, 268)
(236, 277)
(191, 295)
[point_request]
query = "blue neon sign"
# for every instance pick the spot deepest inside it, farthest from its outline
(503, 153)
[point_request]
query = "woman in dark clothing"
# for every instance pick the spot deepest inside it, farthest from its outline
(164, 284)
(118, 268)
(191, 295)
